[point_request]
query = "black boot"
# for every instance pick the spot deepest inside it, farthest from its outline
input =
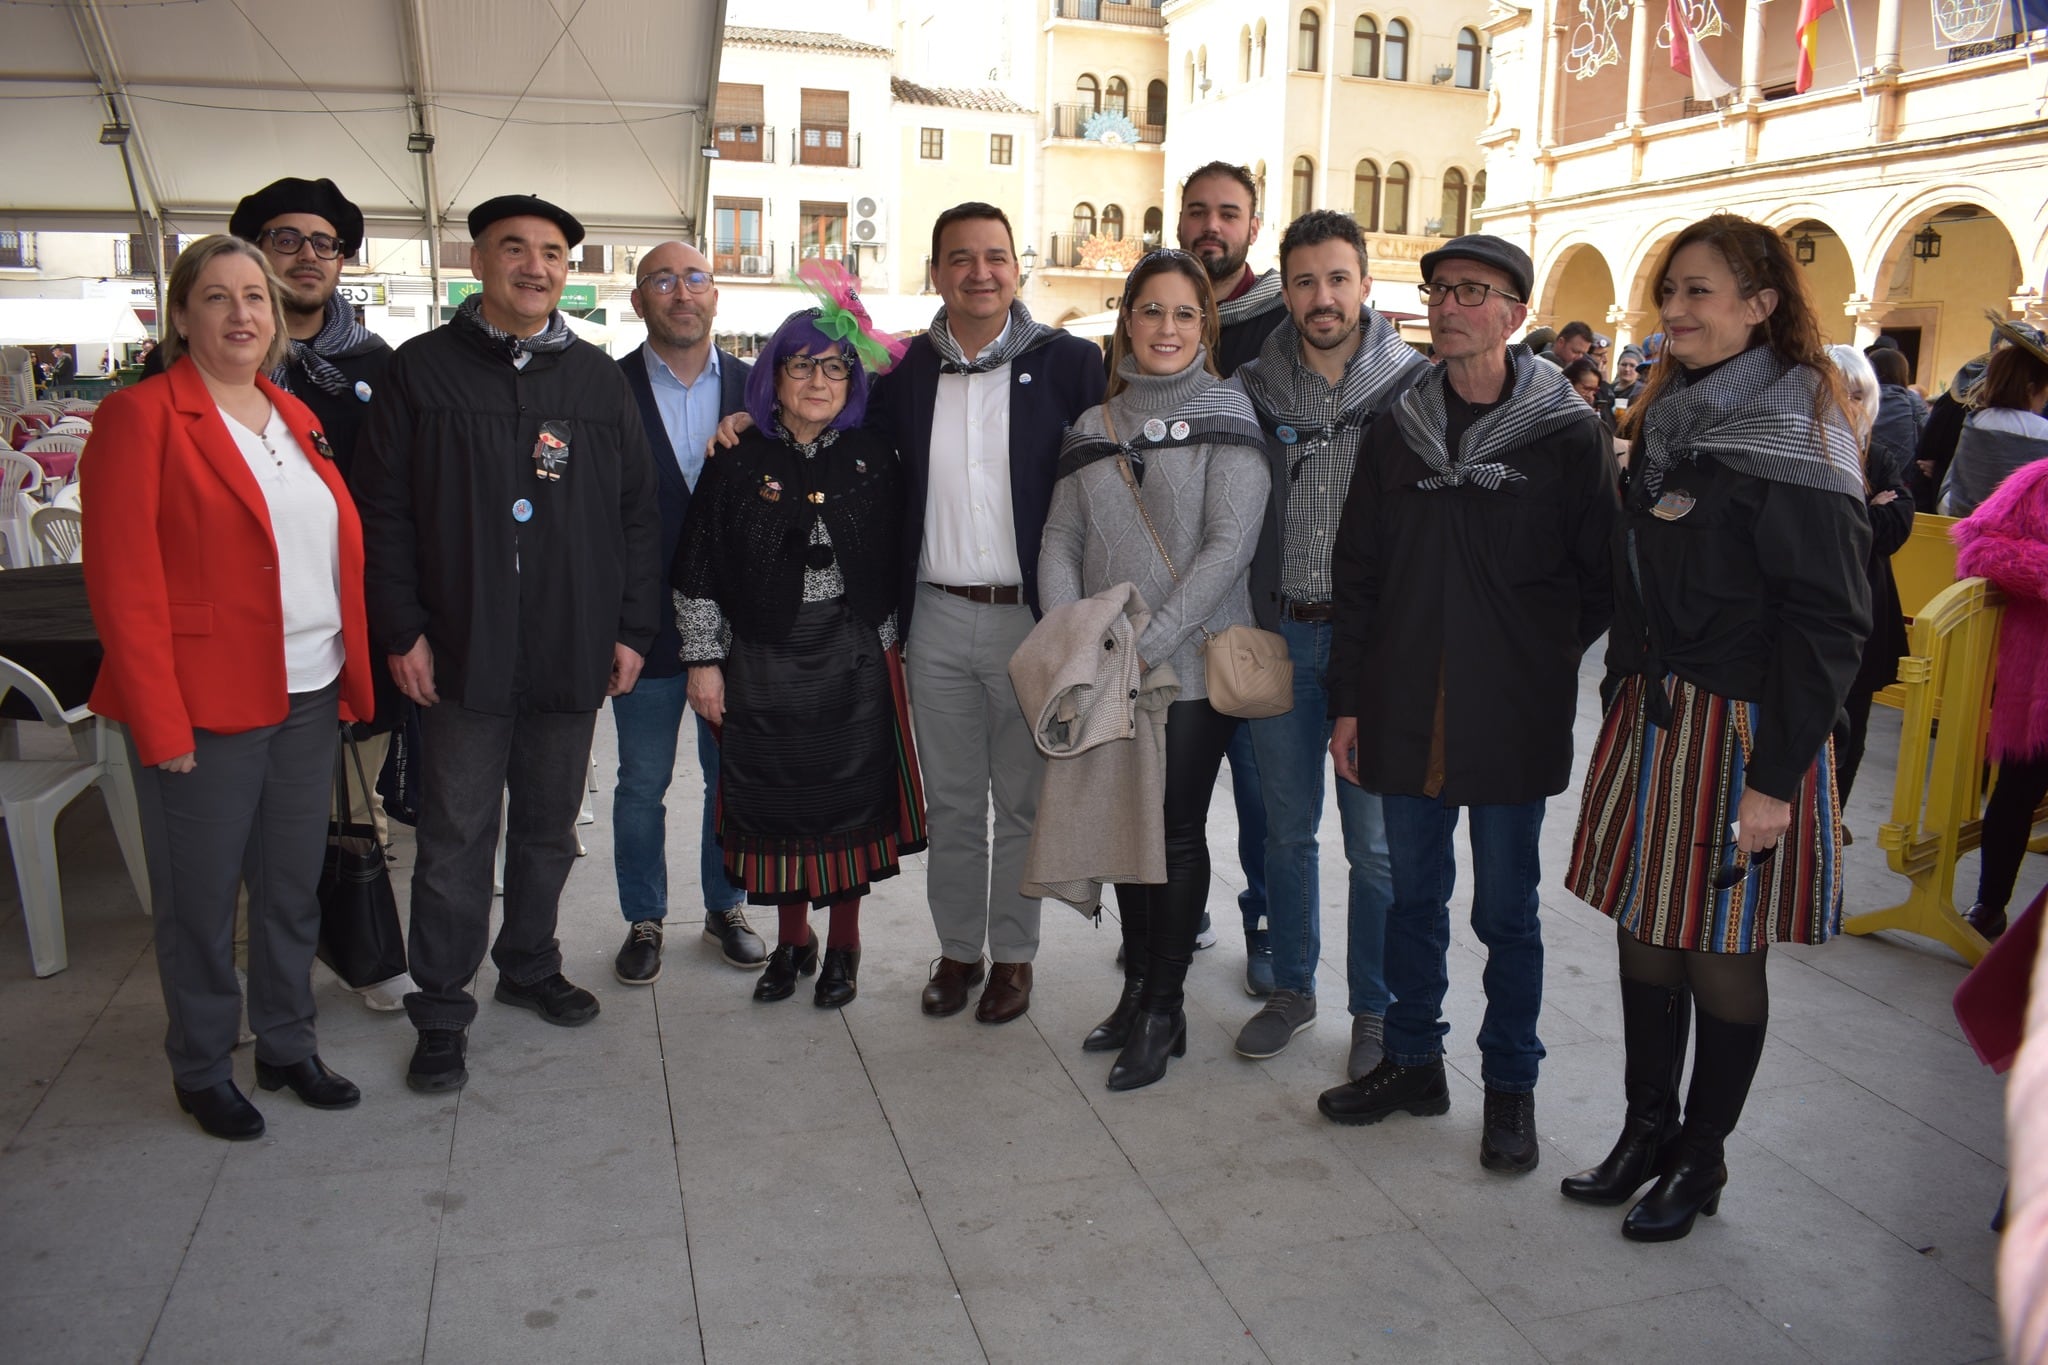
(1654, 1023)
(1157, 1035)
(1134, 902)
(1112, 1033)
(785, 965)
(1724, 1063)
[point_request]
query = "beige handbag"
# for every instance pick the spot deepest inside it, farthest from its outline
(1248, 670)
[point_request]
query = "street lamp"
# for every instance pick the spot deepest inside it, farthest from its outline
(1028, 258)
(1802, 249)
(1926, 244)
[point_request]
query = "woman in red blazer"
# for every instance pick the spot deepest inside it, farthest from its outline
(224, 563)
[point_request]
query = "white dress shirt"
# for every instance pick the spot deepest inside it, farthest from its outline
(970, 526)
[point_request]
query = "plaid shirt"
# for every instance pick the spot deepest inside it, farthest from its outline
(1318, 468)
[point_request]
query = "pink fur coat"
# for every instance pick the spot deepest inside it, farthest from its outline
(2006, 541)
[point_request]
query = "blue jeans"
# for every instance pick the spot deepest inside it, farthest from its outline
(650, 720)
(1251, 826)
(1293, 756)
(1505, 873)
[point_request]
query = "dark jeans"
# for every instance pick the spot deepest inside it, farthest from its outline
(1251, 827)
(470, 762)
(1505, 874)
(253, 810)
(2008, 821)
(1159, 922)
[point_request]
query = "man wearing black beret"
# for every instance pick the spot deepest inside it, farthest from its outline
(512, 534)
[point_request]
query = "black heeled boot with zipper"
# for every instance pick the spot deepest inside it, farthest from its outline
(1654, 1022)
(1694, 1174)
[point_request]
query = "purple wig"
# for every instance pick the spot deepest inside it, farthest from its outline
(799, 334)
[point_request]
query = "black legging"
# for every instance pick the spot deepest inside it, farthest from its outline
(1159, 922)
(2008, 821)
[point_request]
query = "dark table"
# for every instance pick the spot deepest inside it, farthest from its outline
(46, 627)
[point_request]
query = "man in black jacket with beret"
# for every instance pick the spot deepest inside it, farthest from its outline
(512, 542)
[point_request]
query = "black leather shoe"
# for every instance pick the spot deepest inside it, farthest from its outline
(639, 959)
(1507, 1143)
(1989, 923)
(1155, 1036)
(785, 965)
(836, 979)
(1388, 1088)
(737, 942)
(223, 1111)
(437, 1061)
(1112, 1033)
(311, 1081)
(553, 998)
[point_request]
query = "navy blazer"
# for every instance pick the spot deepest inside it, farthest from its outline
(665, 657)
(1049, 388)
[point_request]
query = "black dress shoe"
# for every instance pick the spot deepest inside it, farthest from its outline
(836, 983)
(223, 1111)
(311, 1081)
(785, 965)
(437, 1061)
(553, 998)
(737, 942)
(1157, 1035)
(1387, 1089)
(639, 959)
(1988, 922)
(1112, 1033)
(1507, 1143)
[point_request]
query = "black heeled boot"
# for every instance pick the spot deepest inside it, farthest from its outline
(1724, 1063)
(1160, 1029)
(1113, 1032)
(1654, 1023)
(785, 965)
(1134, 908)
(1157, 1035)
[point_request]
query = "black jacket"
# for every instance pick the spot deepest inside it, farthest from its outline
(664, 660)
(342, 415)
(1241, 341)
(1049, 388)
(1939, 433)
(1492, 596)
(521, 616)
(1757, 592)
(1895, 436)
(1890, 526)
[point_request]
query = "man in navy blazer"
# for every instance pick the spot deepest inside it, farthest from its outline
(684, 385)
(977, 409)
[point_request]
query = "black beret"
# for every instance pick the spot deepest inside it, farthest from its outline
(291, 195)
(1497, 252)
(522, 206)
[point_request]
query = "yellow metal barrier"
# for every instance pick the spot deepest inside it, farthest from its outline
(1923, 568)
(1938, 792)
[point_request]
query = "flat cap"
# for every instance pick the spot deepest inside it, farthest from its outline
(522, 206)
(1632, 352)
(1497, 252)
(321, 198)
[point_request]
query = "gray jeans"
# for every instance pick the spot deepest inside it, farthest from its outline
(468, 760)
(972, 742)
(254, 811)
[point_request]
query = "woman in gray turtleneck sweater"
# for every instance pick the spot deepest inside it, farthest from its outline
(1191, 444)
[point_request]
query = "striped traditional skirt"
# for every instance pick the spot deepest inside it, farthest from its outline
(819, 789)
(1657, 824)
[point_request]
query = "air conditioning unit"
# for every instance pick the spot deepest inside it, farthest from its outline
(752, 265)
(870, 221)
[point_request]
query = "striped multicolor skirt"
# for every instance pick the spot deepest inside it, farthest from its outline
(1657, 825)
(819, 789)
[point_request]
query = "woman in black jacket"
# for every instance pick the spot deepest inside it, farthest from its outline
(1709, 828)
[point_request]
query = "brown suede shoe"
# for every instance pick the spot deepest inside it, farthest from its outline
(946, 992)
(1008, 994)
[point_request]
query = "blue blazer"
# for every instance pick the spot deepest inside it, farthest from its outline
(1049, 388)
(664, 658)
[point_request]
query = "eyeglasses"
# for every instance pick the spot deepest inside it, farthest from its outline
(1156, 315)
(287, 241)
(665, 281)
(1469, 294)
(1731, 875)
(833, 367)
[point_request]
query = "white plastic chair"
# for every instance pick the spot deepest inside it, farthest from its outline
(59, 441)
(59, 533)
(19, 477)
(34, 791)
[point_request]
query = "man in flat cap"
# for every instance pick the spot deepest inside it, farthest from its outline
(513, 538)
(1470, 572)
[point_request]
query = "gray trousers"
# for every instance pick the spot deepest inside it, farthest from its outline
(254, 811)
(467, 759)
(972, 741)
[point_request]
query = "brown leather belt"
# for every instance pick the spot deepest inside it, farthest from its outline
(1003, 595)
(1307, 611)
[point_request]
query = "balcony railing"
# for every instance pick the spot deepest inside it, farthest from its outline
(17, 250)
(847, 153)
(1071, 121)
(744, 260)
(1064, 252)
(1145, 15)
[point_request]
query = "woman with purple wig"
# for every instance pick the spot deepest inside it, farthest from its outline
(786, 586)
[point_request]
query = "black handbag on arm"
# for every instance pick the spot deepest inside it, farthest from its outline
(360, 938)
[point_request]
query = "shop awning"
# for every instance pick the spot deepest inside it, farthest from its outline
(48, 322)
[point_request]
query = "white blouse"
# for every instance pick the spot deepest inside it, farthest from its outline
(306, 526)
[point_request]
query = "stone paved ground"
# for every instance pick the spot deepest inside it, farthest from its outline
(695, 1176)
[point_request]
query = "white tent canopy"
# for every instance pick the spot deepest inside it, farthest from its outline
(49, 322)
(602, 106)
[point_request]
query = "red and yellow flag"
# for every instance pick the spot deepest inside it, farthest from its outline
(1810, 12)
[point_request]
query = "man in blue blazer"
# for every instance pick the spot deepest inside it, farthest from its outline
(684, 385)
(976, 409)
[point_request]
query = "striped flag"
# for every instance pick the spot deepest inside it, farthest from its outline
(1810, 12)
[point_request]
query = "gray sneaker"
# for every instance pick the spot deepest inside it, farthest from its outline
(1267, 1033)
(1368, 1032)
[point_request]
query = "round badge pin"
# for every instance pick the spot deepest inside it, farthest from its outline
(1155, 430)
(1286, 434)
(522, 510)
(1180, 431)
(1023, 379)
(362, 390)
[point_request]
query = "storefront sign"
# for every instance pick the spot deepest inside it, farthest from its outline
(577, 298)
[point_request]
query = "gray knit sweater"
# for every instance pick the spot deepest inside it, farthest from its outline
(1207, 502)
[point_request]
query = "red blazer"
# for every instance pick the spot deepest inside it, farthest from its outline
(181, 568)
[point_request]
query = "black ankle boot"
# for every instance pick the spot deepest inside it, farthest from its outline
(1156, 1035)
(1654, 1023)
(1112, 1033)
(785, 965)
(1724, 1063)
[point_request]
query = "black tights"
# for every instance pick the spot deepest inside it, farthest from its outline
(1728, 986)
(1160, 922)
(2008, 821)
(1849, 741)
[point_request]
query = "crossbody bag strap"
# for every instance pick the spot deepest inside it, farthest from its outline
(1123, 467)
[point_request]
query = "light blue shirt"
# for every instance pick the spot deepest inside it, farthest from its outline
(689, 412)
